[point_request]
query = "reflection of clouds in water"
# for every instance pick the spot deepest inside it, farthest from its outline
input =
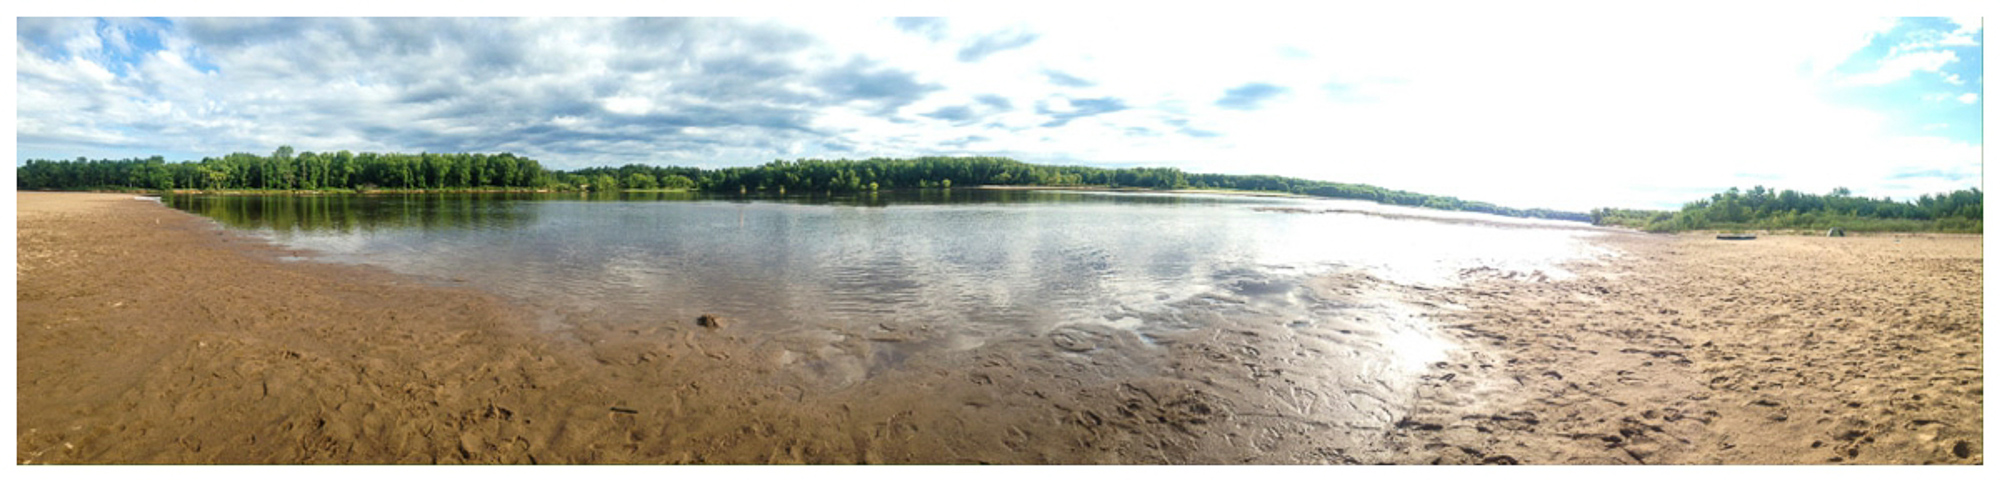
(1418, 252)
(1369, 207)
(340, 247)
(973, 267)
(1124, 285)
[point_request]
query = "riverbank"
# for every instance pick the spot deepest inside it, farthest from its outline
(1690, 350)
(148, 335)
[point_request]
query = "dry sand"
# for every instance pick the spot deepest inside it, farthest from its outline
(147, 335)
(1691, 350)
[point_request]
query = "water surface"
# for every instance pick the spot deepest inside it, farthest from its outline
(974, 265)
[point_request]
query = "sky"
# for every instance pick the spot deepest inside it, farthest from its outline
(1566, 112)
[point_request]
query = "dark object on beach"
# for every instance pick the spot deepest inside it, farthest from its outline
(625, 410)
(1836, 233)
(1736, 237)
(708, 321)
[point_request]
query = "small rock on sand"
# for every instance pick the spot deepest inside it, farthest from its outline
(708, 321)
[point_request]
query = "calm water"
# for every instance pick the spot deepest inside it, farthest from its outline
(977, 264)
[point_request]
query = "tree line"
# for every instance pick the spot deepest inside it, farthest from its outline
(843, 176)
(285, 170)
(1761, 208)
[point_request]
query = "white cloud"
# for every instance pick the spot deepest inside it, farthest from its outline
(1900, 67)
(1962, 36)
(1969, 98)
(1967, 27)
(1522, 112)
(628, 105)
(1828, 43)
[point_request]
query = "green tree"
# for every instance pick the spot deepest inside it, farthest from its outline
(603, 182)
(640, 180)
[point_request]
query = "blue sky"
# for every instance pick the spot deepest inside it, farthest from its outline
(1530, 112)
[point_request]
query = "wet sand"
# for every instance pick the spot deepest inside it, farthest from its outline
(147, 335)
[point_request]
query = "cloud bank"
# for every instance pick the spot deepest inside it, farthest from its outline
(1563, 115)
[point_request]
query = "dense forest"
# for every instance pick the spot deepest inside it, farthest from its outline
(285, 170)
(282, 170)
(1759, 208)
(929, 172)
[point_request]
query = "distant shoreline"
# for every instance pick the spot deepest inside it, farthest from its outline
(1550, 224)
(1224, 192)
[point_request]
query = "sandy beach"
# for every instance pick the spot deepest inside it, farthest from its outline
(148, 335)
(1692, 350)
